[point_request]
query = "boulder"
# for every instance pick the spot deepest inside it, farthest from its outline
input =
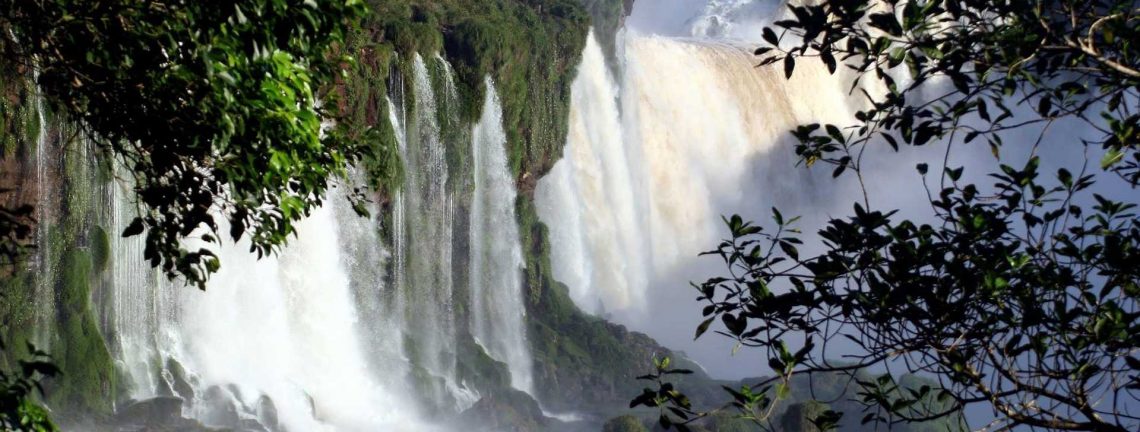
(162, 411)
(219, 408)
(267, 413)
(505, 410)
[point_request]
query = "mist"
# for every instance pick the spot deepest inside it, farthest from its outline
(690, 131)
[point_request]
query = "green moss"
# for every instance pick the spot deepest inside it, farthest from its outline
(17, 313)
(100, 245)
(87, 384)
(478, 369)
(582, 361)
(530, 48)
(76, 250)
(19, 122)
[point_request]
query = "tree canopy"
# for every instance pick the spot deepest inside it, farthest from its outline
(1020, 295)
(216, 111)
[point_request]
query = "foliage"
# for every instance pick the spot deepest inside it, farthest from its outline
(18, 412)
(214, 110)
(1021, 297)
(529, 48)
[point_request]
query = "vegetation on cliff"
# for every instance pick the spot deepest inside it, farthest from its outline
(214, 110)
(529, 48)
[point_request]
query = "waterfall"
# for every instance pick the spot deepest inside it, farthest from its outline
(283, 329)
(314, 332)
(425, 240)
(654, 159)
(498, 315)
(137, 308)
(44, 314)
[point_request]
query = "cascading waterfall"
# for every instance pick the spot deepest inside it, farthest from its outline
(339, 332)
(645, 175)
(498, 315)
(44, 310)
(136, 309)
(425, 240)
(314, 334)
(313, 338)
(596, 174)
(279, 335)
(379, 316)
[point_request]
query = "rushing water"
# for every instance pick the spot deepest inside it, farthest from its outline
(498, 315)
(285, 327)
(645, 177)
(427, 210)
(340, 331)
(357, 326)
(45, 206)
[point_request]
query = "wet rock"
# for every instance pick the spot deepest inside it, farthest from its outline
(179, 382)
(219, 408)
(267, 413)
(504, 410)
(252, 425)
(625, 423)
(162, 411)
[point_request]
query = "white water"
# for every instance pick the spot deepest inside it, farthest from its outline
(44, 314)
(426, 211)
(652, 161)
(720, 19)
(315, 329)
(498, 315)
(285, 327)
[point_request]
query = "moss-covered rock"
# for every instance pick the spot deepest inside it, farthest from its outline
(505, 410)
(625, 423)
(100, 249)
(87, 384)
(583, 362)
(800, 417)
(530, 49)
(476, 368)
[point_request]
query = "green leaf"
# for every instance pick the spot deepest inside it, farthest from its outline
(1112, 157)
(790, 250)
(783, 390)
(703, 327)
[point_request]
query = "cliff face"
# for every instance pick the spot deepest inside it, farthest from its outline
(49, 298)
(530, 48)
(607, 17)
